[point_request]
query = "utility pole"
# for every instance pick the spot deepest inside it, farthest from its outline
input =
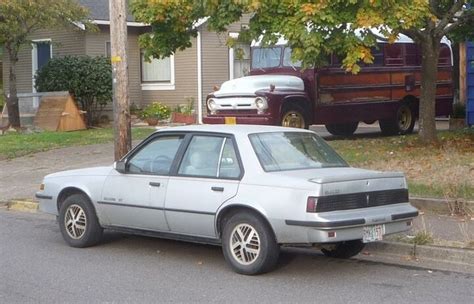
(121, 99)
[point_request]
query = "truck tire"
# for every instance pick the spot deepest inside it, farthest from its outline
(294, 117)
(402, 124)
(346, 129)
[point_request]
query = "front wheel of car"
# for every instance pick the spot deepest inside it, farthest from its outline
(344, 250)
(78, 222)
(248, 244)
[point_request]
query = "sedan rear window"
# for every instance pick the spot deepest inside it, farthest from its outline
(280, 151)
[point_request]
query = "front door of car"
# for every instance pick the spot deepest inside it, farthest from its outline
(208, 175)
(136, 198)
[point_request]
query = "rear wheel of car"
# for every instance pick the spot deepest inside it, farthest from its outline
(78, 222)
(344, 250)
(345, 129)
(294, 117)
(402, 124)
(248, 244)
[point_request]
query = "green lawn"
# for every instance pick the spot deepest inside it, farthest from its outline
(15, 145)
(442, 170)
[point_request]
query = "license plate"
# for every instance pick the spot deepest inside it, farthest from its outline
(230, 120)
(373, 233)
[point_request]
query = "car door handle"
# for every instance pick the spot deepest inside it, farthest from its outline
(218, 189)
(153, 184)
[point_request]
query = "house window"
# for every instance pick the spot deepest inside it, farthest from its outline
(157, 74)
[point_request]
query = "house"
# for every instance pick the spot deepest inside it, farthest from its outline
(189, 73)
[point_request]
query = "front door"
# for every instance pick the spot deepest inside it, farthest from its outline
(41, 54)
(207, 176)
(136, 198)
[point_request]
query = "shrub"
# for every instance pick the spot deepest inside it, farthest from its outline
(156, 110)
(459, 110)
(88, 80)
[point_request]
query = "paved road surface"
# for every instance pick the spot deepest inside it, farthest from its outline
(37, 266)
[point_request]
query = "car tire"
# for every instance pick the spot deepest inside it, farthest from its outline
(403, 123)
(294, 117)
(344, 250)
(257, 236)
(78, 222)
(345, 129)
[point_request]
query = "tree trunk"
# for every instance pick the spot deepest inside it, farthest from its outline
(12, 100)
(429, 69)
(118, 37)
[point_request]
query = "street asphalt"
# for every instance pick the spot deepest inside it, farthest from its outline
(37, 266)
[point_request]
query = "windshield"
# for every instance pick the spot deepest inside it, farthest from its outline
(266, 57)
(280, 151)
(287, 59)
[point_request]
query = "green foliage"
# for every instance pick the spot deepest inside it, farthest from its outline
(88, 79)
(156, 110)
(314, 29)
(187, 109)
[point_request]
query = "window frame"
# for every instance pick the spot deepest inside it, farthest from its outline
(189, 137)
(153, 137)
(158, 85)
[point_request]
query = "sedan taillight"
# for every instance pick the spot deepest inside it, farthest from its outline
(311, 204)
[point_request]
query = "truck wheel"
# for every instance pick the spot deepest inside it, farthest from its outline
(344, 250)
(78, 222)
(403, 123)
(249, 245)
(293, 117)
(346, 129)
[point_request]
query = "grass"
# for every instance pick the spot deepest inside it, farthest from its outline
(14, 145)
(443, 170)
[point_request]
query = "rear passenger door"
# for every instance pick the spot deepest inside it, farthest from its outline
(208, 175)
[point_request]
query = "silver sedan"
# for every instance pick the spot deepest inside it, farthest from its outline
(250, 189)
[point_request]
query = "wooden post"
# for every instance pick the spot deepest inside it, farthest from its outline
(118, 47)
(462, 73)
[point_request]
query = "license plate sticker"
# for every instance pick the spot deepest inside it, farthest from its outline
(230, 120)
(373, 233)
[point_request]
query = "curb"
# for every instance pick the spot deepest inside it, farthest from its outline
(443, 254)
(445, 206)
(23, 205)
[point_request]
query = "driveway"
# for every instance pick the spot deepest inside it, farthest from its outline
(22, 176)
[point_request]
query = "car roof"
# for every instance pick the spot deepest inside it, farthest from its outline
(231, 129)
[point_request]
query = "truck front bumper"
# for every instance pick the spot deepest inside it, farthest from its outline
(240, 120)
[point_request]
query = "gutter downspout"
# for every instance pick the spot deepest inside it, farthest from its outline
(199, 75)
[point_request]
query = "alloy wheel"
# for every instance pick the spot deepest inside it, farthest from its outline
(245, 244)
(75, 221)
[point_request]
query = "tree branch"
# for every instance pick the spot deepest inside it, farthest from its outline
(466, 18)
(448, 17)
(414, 34)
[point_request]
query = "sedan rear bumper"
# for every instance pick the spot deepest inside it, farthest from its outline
(344, 225)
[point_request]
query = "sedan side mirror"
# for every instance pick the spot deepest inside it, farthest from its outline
(119, 166)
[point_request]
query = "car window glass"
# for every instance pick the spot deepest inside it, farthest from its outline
(279, 151)
(156, 157)
(266, 57)
(229, 164)
(202, 157)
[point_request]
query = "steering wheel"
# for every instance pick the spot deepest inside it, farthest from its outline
(160, 163)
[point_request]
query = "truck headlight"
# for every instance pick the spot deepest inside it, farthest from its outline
(211, 105)
(261, 104)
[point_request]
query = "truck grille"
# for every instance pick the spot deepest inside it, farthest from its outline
(361, 200)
